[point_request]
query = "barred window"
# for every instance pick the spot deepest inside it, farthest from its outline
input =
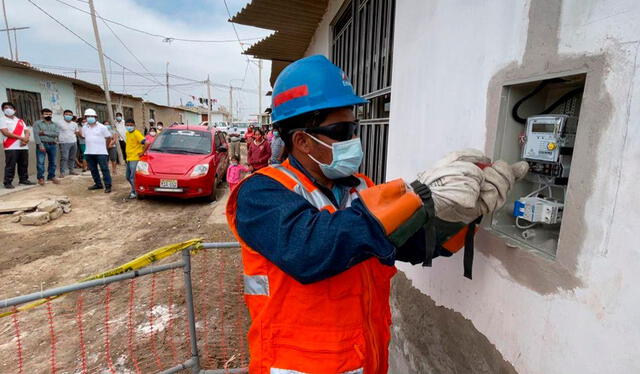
(362, 45)
(28, 104)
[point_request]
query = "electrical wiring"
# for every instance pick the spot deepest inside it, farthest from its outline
(524, 227)
(233, 25)
(164, 37)
(84, 40)
(72, 69)
(126, 47)
(107, 57)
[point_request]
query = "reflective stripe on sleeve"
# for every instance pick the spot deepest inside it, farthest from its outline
(289, 371)
(256, 285)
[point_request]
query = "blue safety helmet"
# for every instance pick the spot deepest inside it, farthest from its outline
(309, 84)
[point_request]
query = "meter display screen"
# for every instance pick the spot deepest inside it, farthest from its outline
(543, 127)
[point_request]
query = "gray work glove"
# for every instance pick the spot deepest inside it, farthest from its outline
(465, 185)
(455, 183)
(499, 179)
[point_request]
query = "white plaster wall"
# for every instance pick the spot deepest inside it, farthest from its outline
(445, 53)
(55, 94)
(321, 42)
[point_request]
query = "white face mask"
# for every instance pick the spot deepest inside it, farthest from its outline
(346, 160)
(9, 112)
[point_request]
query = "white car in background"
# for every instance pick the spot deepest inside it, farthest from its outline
(240, 127)
(220, 126)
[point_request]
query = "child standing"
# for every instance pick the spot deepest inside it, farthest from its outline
(234, 172)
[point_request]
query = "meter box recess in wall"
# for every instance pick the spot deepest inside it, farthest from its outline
(538, 123)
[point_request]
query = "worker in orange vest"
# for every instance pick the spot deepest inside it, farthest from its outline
(319, 240)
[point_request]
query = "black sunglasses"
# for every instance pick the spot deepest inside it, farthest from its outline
(339, 131)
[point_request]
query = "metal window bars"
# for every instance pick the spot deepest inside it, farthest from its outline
(362, 45)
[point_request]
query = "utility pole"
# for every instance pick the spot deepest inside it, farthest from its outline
(167, 75)
(209, 102)
(231, 103)
(260, 92)
(6, 24)
(15, 39)
(105, 82)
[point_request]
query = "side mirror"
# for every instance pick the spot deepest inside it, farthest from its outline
(221, 149)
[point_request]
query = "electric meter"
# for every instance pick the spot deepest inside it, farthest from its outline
(548, 136)
(548, 146)
(537, 123)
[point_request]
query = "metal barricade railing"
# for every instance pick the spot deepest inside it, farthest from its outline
(193, 363)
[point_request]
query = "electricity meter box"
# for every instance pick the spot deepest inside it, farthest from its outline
(538, 123)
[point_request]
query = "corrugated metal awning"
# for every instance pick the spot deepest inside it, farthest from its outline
(294, 23)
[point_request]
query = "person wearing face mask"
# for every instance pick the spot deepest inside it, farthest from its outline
(135, 148)
(82, 159)
(15, 142)
(112, 148)
(96, 137)
(258, 150)
(319, 240)
(150, 138)
(159, 126)
(234, 172)
(277, 147)
(122, 134)
(152, 124)
(46, 134)
(68, 143)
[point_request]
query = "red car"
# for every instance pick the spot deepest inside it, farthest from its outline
(184, 161)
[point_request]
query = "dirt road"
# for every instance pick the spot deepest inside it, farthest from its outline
(102, 231)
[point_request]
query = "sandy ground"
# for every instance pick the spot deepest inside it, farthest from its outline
(127, 327)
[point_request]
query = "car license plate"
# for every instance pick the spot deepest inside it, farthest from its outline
(168, 183)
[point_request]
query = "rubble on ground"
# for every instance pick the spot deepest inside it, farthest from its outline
(38, 212)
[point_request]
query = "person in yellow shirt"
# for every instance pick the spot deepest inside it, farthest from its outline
(134, 149)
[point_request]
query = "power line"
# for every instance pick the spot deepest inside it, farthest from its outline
(125, 46)
(92, 46)
(164, 37)
(233, 25)
(88, 70)
(84, 40)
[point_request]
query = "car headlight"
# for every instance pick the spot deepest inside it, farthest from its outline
(142, 168)
(200, 170)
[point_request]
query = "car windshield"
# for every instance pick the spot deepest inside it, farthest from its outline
(183, 142)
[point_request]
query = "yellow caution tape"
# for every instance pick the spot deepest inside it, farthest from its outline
(135, 264)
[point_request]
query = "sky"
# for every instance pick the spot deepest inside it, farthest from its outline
(47, 43)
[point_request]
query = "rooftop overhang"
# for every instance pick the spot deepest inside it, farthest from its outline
(294, 22)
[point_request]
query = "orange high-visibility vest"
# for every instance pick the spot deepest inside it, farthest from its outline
(337, 325)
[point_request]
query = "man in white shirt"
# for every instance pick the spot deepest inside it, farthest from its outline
(68, 143)
(122, 135)
(96, 136)
(15, 142)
